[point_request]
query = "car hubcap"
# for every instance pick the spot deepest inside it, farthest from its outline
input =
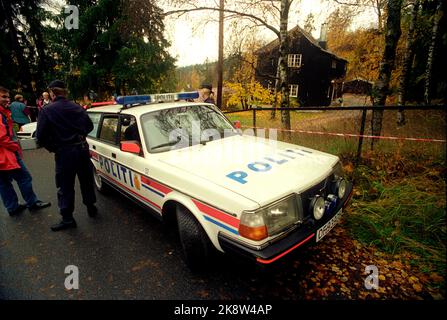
(98, 180)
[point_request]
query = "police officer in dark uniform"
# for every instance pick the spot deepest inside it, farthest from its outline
(62, 128)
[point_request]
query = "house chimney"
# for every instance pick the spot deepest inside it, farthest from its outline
(323, 36)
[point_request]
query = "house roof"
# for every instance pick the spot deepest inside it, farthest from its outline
(360, 79)
(293, 33)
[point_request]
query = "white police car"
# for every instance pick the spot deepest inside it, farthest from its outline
(235, 192)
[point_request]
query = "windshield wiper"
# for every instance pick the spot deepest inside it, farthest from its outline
(167, 144)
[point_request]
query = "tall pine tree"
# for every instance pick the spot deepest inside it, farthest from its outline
(118, 47)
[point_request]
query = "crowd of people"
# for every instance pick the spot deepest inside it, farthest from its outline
(23, 113)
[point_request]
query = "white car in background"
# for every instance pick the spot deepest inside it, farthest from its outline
(27, 131)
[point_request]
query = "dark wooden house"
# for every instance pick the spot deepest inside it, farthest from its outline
(315, 74)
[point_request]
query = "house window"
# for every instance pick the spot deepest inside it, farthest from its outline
(334, 64)
(294, 60)
(293, 90)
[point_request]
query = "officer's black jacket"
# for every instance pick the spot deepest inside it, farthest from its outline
(62, 123)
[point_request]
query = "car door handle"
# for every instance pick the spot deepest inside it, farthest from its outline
(94, 147)
(113, 155)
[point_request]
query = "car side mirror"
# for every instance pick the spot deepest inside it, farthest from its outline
(237, 124)
(131, 146)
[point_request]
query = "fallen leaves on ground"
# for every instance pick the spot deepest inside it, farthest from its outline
(338, 270)
(31, 260)
(144, 264)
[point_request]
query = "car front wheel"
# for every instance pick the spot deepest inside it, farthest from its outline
(195, 242)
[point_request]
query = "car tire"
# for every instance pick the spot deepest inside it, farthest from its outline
(99, 183)
(195, 242)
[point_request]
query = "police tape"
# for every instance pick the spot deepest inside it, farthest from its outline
(352, 135)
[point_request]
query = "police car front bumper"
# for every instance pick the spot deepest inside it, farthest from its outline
(307, 233)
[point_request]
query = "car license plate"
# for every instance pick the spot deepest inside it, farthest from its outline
(324, 230)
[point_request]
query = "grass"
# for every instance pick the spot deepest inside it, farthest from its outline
(402, 213)
(420, 124)
(263, 118)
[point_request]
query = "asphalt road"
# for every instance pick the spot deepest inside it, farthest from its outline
(124, 253)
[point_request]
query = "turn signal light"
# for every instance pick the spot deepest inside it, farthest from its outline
(253, 233)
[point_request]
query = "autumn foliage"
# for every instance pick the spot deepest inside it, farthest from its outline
(243, 89)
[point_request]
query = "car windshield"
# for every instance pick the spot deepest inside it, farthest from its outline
(184, 126)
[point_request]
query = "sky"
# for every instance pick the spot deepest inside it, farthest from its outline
(191, 46)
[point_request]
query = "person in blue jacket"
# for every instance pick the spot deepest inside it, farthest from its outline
(19, 111)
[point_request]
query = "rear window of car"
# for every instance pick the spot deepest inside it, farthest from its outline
(95, 117)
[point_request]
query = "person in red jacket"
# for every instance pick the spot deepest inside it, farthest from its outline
(12, 166)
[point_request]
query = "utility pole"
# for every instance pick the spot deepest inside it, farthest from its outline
(220, 59)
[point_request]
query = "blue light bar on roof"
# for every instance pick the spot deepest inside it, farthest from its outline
(133, 99)
(159, 97)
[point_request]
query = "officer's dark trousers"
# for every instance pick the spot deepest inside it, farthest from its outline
(71, 161)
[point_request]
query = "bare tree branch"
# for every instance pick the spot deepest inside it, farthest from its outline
(242, 14)
(355, 3)
(276, 7)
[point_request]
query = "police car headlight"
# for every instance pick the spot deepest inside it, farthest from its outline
(317, 206)
(269, 220)
(281, 215)
(341, 186)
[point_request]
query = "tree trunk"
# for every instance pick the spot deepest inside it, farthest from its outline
(275, 92)
(381, 86)
(282, 63)
(379, 16)
(431, 52)
(406, 67)
(221, 58)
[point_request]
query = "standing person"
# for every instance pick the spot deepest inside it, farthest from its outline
(19, 111)
(44, 101)
(12, 166)
(31, 111)
(206, 91)
(62, 128)
(87, 101)
(39, 104)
